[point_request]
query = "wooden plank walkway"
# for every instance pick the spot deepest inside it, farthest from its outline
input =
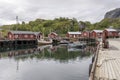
(108, 62)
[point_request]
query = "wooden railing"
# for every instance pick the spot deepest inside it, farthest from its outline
(92, 72)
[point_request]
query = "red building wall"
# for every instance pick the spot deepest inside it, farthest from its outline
(21, 36)
(86, 34)
(96, 35)
(10, 36)
(73, 35)
(52, 35)
(39, 36)
(110, 33)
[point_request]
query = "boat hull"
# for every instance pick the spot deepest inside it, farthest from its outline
(77, 45)
(44, 42)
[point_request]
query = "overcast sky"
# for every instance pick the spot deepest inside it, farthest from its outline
(27, 10)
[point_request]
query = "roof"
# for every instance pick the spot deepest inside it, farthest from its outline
(53, 33)
(86, 31)
(36, 33)
(74, 32)
(111, 29)
(98, 31)
(24, 32)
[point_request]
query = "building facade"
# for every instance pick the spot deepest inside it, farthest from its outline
(53, 35)
(96, 33)
(86, 34)
(111, 33)
(73, 35)
(24, 35)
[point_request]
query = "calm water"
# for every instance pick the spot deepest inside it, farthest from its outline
(45, 63)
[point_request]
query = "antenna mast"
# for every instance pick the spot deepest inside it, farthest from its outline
(17, 22)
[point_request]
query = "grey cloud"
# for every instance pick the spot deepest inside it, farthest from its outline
(27, 10)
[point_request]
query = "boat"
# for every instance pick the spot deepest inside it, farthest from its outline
(74, 49)
(43, 46)
(64, 42)
(77, 45)
(44, 42)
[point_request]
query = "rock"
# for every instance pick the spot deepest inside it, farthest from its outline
(113, 13)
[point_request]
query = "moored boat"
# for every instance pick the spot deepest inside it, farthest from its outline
(74, 49)
(44, 42)
(64, 42)
(77, 45)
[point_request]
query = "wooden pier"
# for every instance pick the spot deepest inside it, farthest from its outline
(13, 44)
(106, 64)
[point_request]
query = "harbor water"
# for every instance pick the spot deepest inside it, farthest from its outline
(45, 63)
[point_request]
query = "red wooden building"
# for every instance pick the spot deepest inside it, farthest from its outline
(96, 33)
(86, 34)
(53, 35)
(24, 35)
(73, 34)
(110, 33)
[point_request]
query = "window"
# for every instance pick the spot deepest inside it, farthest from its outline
(85, 34)
(10, 36)
(70, 35)
(110, 33)
(31, 36)
(16, 36)
(25, 36)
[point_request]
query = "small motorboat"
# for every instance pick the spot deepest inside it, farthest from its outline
(64, 42)
(77, 45)
(44, 42)
(74, 49)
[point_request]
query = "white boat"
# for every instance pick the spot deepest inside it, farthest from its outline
(74, 49)
(64, 42)
(77, 45)
(44, 42)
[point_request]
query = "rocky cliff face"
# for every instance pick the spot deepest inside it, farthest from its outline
(113, 13)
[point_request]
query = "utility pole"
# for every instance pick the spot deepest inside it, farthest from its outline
(79, 25)
(17, 23)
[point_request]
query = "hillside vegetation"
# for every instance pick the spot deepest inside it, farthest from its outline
(61, 25)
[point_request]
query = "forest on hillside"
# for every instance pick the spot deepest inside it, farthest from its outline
(60, 25)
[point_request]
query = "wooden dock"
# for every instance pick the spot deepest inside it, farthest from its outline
(14, 44)
(106, 65)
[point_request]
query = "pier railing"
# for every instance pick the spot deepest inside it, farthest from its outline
(92, 72)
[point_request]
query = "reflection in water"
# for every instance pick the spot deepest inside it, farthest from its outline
(47, 61)
(60, 52)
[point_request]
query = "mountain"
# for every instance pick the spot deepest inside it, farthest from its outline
(113, 13)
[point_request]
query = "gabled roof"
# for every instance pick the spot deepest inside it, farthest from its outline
(112, 30)
(53, 33)
(24, 32)
(98, 31)
(36, 33)
(74, 32)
